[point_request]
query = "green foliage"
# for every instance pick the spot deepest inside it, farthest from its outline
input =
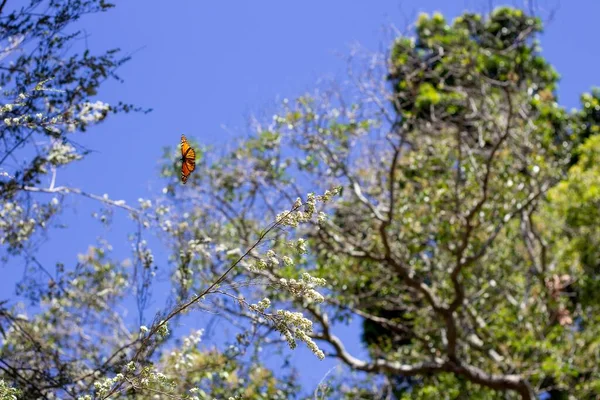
(574, 210)
(444, 241)
(217, 375)
(7, 392)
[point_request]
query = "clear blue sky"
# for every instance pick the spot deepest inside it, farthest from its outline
(205, 65)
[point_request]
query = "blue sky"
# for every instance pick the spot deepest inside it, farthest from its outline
(204, 66)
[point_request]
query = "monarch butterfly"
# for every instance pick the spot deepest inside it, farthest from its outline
(188, 159)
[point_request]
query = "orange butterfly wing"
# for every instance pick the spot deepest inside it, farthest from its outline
(188, 159)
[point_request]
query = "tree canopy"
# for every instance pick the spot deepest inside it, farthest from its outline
(444, 198)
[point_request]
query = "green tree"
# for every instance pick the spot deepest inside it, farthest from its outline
(464, 237)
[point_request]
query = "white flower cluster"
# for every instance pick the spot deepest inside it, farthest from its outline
(269, 261)
(328, 195)
(302, 327)
(130, 367)
(299, 246)
(24, 119)
(192, 340)
(14, 227)
(304, 288)
(93, 112)
(104, 386)
(199, 246)
(162, 210)
(62, 153)
(89, 113)
(144, 253)
(148, 377)
(163, 330)
(261, 306)
(86, 113)
(145, 204)
(296, 216)
(163, 218)
(183, 358)
(30, 121)
(167, 225)
(287, 261)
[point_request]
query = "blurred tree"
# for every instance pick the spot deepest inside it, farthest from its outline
(47, 89)
(71, 342)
